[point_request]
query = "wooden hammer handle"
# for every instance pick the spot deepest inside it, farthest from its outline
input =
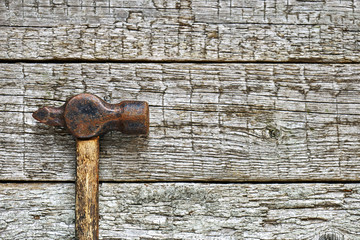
(87, 189)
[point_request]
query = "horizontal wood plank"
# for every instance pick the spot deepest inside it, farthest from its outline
(182, 30)
(186, 211)
(209, 122)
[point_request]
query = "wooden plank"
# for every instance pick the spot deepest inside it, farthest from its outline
(229, 30)
(209, 122)
(186, 211)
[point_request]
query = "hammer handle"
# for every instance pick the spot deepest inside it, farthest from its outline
(87, 189)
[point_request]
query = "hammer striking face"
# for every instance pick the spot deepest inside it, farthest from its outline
(87, 117)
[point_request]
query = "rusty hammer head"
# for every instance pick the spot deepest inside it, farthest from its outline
(86, 116)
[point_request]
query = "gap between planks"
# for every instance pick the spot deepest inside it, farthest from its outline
(170, 61)
(192, 181)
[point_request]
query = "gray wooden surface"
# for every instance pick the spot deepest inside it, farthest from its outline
(247, 97)
(218, 122)
(226, 30)
(187, 211)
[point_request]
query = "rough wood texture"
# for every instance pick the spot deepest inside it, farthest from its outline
(226, 30)
(209, 122)
(87, 189)
(186, 211)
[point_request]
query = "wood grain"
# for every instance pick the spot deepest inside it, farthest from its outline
(209, 122)
(182, 30)
(87, 189)
(186, 211)
(218, 120)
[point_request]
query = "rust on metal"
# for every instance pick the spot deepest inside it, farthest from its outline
(86, 116)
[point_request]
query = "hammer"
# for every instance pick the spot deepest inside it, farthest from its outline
(87, 117)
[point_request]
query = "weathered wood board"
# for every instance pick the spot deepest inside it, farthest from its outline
(209, 122)
(186, 211)
(239, 91)
(181, 30)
